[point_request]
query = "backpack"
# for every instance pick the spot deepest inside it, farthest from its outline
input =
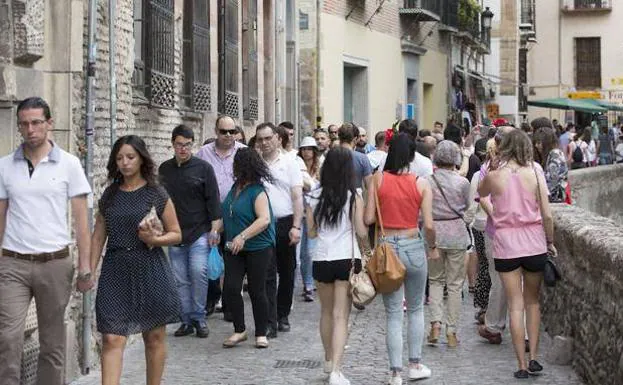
(578, 155)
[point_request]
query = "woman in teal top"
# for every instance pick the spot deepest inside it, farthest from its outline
(250, 235)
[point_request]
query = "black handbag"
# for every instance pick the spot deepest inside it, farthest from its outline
(551, 274)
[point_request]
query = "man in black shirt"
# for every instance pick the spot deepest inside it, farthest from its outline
(193, 189)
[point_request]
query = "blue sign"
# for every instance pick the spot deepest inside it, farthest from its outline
(410, 111)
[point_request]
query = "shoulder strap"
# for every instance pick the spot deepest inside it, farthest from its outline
(446, 199)
(379, 217)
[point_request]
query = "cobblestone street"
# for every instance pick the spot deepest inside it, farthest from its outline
(296, 357)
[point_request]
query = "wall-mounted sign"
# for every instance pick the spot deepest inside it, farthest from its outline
(584, 95)
(493, 110)
(616, 82)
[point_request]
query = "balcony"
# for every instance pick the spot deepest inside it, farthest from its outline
(423, 10)
(469, 18)
(583, 6)
(527, 23)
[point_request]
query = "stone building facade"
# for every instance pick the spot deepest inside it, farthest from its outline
(175, 61)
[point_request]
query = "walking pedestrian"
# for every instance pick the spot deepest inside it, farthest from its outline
(403, 198)
(286, 196)
(136, 291)
(192, 186)
(334, 218)
(548, 154)
(37, 181)
(524, 234)
(250, 236)
(450, 200)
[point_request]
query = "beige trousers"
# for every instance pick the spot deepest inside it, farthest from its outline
(448, 270)
(50, 283)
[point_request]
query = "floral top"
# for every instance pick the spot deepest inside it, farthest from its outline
(556, 175)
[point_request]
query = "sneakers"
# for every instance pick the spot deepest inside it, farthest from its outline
(419, 372)
(435, 331)
(395, 380)
(201, 331)
(337, 378)
(493, 338)
(308, 296)
(453, 342)
(534, 367)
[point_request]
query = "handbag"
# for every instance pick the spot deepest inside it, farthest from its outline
(551, 274)
(385, 268)
(361, 287)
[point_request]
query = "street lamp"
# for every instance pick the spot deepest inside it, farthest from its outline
(486, 18)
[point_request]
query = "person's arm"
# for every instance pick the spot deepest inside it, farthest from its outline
(98, 238)
(426, 210)
(4, 206)
(546, 212)
(83, 240)
(297, 205)
(213, 205)
(262, 220)
(311, 223)
(472, 204)
(484, 188)
(369, 216)
(360, 227)
(172, 233)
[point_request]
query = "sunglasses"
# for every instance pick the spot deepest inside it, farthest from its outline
(227, 132)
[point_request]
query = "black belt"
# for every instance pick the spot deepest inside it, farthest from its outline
(38, 257)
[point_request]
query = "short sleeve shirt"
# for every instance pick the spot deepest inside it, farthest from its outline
(362, 168)
(287, 174)
(36, 219)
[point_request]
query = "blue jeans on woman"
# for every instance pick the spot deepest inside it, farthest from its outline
(305, 254)
(190, 268)
(411, 252)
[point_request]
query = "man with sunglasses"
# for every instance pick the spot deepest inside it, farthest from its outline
(333, 132)
(220, 155)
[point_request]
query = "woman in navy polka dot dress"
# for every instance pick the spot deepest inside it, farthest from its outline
(136, 291)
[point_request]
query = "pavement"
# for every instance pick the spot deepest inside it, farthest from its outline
(296, 358)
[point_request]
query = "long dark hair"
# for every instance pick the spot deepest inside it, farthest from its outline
(315, 160)
(337, 178)
(249, 168)
(549, 141)
(147, 168)
(401, 152)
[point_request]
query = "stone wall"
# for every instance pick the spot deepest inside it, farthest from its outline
(587, 305)
(599, 190)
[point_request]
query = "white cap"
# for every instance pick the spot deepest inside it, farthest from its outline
(308, 141)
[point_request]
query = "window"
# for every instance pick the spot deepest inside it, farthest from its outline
(249, 60)
(228, 58)
(588, 62)
(154, 56)
(196, 57)
(303, 21)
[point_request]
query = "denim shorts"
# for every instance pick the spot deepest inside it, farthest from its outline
(331, 271)
(534, 263)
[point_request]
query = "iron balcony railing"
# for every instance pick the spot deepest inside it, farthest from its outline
(426, 10)
(587, 5)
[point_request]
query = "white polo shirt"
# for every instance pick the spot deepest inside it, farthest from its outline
(286, 174)
(37, 214)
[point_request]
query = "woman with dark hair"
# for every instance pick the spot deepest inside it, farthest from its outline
(239, 136)
(250, 236)
(549, 155)
(334, 216)
(403, 198)
(136, 292)
(524, 234)
(450, 201)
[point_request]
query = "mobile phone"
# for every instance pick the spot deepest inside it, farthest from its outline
(228, 246)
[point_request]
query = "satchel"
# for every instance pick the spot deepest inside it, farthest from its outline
(551, 274)
(361, 287)
(386, 270)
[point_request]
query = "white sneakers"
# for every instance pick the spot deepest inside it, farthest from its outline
(420, 372)
(337, 378)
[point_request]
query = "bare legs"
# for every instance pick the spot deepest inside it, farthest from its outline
(155, 354)
(335, 304)
(518, 300)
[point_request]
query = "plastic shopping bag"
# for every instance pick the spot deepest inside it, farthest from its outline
(216, 266)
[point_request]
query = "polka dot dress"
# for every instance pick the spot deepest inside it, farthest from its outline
(136, 290)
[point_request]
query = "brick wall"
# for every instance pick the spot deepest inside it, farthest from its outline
(387, 20)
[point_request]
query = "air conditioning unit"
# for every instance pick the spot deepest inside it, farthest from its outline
(526, 27)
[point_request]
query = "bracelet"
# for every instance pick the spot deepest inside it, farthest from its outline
(244, 237)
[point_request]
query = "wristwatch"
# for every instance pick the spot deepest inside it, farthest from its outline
(84, 276)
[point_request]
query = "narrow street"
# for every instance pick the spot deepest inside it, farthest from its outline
(295, 358)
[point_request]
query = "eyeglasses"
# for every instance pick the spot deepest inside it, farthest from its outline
(36, 123)
(185, 146)
(227, 132)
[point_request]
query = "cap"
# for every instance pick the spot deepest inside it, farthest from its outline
(308, 141)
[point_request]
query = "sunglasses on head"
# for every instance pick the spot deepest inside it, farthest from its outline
(225, 132)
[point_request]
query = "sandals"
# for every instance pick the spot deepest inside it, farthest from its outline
(261, 342)
(233, 341)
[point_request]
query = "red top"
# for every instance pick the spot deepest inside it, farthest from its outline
(399, 201)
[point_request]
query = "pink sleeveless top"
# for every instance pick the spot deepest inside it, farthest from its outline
(517, 221)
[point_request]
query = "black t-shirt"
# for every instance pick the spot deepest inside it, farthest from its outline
(474, 167)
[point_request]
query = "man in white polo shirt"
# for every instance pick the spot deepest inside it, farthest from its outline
(286, 199)
(36, 182)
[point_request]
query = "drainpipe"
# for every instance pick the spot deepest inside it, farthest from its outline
(112, 7)
(88, 134)
(318, 12)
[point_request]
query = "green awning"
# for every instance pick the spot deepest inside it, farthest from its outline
(602, 103)
(568, 104)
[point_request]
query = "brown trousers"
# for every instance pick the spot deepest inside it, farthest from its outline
(50, 283)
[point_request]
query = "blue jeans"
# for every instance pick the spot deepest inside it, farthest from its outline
(605, 158)
(411, 252)
(190, 268)
(305, 255)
